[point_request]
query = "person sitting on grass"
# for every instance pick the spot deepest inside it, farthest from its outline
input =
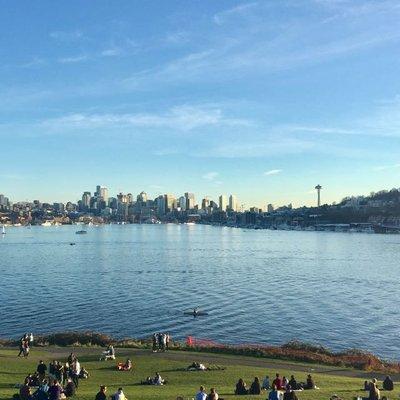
(277, 382)
(241, 388)
(41, 392)
(127, 366)
(265, 384)
(70, 388)
(255, 387)
(25, 390)
(101, 395)
(388, 383)
(374, 393)
(274, 393)
(293, 383)
(310, 383)
(285, 382)
(119, 395)
(213, 395)
(289, 394)
(158, 380)
(55, 391)
(201, 394)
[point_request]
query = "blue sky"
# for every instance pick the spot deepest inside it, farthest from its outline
(263, 99)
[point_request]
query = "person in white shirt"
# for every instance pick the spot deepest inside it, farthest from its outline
(119, 395)
(201, 395)
(158, 380)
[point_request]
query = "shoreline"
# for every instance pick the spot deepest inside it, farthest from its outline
(293, 351)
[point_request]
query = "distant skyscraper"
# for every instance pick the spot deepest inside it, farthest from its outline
(270, 208)
(233, 202)
(170, 202)
(182, 203)
(205, 203)
(190, 201)
(161, 207)
(86, 197)
(142, 197)
(223, 202)
(102, 191)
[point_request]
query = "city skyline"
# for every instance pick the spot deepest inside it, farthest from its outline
(260, 99)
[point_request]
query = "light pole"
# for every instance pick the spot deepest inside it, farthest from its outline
(318, 188)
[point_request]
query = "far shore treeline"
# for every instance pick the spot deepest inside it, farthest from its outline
(293, 350)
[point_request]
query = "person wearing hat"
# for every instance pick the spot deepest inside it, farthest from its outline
(101, 395)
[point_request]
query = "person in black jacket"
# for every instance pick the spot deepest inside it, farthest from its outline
(255, 387)
(101, 395)
(388, 383)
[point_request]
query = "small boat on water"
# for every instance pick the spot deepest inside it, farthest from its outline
(81, 232)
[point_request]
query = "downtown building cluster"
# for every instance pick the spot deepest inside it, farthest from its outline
(99, 207)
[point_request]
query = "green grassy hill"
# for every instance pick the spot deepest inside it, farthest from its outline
(345, 383)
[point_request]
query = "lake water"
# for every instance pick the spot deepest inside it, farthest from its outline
(337, 289)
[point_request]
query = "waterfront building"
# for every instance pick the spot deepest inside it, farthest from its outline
(270, 208)
(129, 198)
(223, 202)
(161, 207)
(233, 204)
(58, 207)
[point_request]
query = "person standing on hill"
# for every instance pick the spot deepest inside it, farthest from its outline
(41, 369)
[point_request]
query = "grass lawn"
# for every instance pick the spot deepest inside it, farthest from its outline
(180, 383)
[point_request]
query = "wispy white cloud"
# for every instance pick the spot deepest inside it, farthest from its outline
(73, 59)
(272, 172)
(210, 176)
(239, 10)
(35, 62)
(181, 117)
(111, 52)
(66, 36)
(386, 167)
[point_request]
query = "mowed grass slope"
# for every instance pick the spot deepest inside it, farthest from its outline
(180, 383)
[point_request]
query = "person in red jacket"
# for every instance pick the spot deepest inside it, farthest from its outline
(277, 382)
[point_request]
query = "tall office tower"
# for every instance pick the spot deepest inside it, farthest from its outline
(205, 203)
(86, 197)
(233, 202)
(161, 207)
(2, 201)
(102, 191)
(223, 202)
(129, 198)
(190, 201)
(170, 202)
(270, 208)
(182, 203)
(142, 197)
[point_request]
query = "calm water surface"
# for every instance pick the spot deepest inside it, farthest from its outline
(337, 289)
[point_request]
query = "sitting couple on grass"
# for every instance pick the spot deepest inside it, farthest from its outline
(126, 366)
(157, 380)
(283, 383)
(241, 387)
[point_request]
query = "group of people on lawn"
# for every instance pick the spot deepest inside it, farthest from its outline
(373, 389)
(161, 341)
(55, 382)
(278, 385)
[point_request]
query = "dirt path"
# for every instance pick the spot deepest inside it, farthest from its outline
(225, 359)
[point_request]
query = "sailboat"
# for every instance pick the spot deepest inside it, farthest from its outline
(3, 232)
